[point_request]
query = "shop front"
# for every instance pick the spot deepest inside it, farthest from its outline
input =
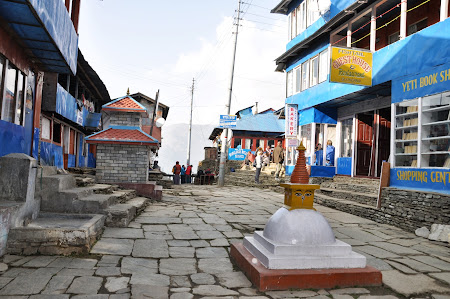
(420, 133)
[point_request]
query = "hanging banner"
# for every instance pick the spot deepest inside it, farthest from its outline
(351, 66)
(291, 115)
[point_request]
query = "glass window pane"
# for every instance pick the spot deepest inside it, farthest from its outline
(323, 65)
(45, 128)
(9, 102)
(237, 142)
(305, 75)
(305, 137)
(2, 64)
(20, 98)
(314, 70)
(298, 79)
(318, 150)
(293, 23)
(346, 137)
(289, 84)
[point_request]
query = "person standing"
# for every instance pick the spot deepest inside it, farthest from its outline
(176, 170)
(330, 154)
(259, 163)
(188, 174)
(278, 159)
(183, 174)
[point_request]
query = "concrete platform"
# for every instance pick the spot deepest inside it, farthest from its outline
(61, 234)
(281, 279)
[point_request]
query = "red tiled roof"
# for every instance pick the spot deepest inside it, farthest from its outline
(120, 136)
(126, 103)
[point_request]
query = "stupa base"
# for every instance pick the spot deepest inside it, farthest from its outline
(281, 279)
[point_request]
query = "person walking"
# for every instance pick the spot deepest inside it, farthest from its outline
(259, 163)
(176, 170)
(278, 159)
(188, 174)
(183, 174)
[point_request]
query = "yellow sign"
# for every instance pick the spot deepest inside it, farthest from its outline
(351, 66)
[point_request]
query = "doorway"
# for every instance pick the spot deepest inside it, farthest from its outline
(373, 141)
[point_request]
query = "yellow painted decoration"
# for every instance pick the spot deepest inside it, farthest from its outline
(299, 196)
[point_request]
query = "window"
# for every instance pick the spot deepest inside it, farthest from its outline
(323, 66)
(12, 96)
(289, 84)
(261, 143)
(56, 132)
(416, 27)
(393, 38)
(66, 139)
(9, 100)
(431, 123)
(20, 99)
(301, 17)
(313, 11)
(314, 62)
(346, 137)
(46, 128)
(293, 23)
(237, 142)
(305, 75)
(271, 143)
(297, 72)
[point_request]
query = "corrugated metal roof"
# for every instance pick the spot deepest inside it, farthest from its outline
(261, 123)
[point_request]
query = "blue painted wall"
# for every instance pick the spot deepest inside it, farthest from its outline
(322, 171)
(51, 155)
(36, 135)
(344, 166)
(81, 158)
(426, 179)
(13, 139)
(415, 54)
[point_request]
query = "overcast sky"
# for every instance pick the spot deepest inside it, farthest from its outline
(148, 45)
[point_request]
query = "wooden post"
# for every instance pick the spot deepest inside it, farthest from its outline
(384, 180)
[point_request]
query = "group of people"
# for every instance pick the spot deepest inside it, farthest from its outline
(263, 159)
(181, 174)
(329, 154)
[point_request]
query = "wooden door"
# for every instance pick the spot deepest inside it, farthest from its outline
(384, 137)
(364, 146)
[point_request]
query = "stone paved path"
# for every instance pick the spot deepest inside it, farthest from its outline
(179, 248)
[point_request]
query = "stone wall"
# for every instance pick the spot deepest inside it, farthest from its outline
(125, 119)
(406, 209)
(122, 163)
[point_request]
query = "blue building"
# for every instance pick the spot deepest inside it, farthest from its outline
(50, 98)
(399, 112)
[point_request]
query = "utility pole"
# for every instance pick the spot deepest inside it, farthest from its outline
(225, 142)
(190, 127)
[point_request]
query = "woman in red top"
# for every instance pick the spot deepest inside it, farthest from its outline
(188, 174)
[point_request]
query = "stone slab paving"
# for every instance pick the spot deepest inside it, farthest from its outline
(179, 248)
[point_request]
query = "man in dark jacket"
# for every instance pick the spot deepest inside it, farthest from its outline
(278, 159)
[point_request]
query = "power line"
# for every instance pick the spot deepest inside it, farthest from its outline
(261, 16)
(271, 24)
(257, 5)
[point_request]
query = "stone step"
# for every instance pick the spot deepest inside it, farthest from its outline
(356, 197)
(123, 195)
(344, 205)
(56, 234)
(85, 181)
(120, 215)
(139, 203)
(354, 187)
(57, 182)
(356, 180)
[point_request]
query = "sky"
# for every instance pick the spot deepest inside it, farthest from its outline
(149, 45)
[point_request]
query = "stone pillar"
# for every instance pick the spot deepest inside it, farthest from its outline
(17, 203)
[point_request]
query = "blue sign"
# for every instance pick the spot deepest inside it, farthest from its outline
(434, 81)
(237, 154)
(437, 180)
(227, 121)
